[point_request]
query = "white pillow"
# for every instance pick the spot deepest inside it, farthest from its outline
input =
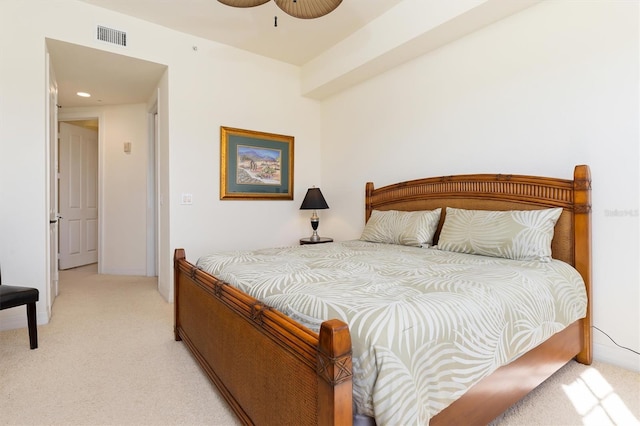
(513, 234)
(400, 227)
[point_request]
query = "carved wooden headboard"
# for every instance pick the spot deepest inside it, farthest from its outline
(497, 192)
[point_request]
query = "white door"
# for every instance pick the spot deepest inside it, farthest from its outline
(78, 196)
(53, 189)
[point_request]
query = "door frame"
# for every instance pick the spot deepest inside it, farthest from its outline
(153, 189)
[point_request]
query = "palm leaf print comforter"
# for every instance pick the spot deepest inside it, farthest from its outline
(426, 324)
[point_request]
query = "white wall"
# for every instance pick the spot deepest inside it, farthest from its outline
(23, 228)
(125, 190)
(551, 87)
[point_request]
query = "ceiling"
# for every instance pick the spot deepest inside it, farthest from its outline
(295, 41)
(116, 79)
(375, 34)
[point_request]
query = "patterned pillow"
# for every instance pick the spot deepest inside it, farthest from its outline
(514, 234)
(399, 227)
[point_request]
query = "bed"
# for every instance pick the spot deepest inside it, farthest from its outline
(274, 368)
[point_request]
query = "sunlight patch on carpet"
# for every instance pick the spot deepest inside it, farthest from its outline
(597, 402)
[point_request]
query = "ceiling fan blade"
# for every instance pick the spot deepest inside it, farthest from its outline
(243, 3)
(307, 9)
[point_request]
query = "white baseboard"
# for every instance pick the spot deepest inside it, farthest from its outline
(616, 356)
(13, 318)
(119, 271)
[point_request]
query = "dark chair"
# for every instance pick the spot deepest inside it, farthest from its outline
(12, 296)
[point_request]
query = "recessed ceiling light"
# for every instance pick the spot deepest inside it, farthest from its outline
(84, 94)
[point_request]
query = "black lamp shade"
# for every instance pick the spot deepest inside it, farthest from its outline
(314, 200)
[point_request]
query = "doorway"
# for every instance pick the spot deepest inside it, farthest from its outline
(114, 80)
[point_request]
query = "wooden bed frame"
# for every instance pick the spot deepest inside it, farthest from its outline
(272, 370)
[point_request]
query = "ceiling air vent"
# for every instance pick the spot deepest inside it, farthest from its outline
(112, 36)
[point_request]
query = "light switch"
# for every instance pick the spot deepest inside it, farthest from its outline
(127, 147)
(186, 199)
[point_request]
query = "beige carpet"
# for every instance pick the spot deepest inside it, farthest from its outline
(108, 358)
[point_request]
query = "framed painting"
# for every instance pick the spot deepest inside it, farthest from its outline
(255, 165)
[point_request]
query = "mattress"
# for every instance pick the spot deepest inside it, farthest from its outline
(426, 324)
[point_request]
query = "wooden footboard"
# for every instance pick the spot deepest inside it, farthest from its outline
(265, 365)
(494, 394)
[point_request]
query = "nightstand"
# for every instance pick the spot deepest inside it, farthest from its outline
(304, 241)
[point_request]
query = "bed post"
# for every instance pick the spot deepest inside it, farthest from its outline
(368, 192)
(335, 388)
(178, 255)
(582, 247)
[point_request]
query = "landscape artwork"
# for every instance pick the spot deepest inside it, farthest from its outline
(255, 165)
(258, 166)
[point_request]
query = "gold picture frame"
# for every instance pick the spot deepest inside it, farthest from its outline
(255, 165)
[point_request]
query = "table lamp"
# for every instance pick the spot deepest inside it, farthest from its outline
(314, 201)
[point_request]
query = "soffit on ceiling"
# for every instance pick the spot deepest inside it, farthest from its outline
(111, 79)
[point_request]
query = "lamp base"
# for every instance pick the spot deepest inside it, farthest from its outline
(315, 221)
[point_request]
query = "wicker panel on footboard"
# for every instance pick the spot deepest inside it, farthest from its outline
(267, 367)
